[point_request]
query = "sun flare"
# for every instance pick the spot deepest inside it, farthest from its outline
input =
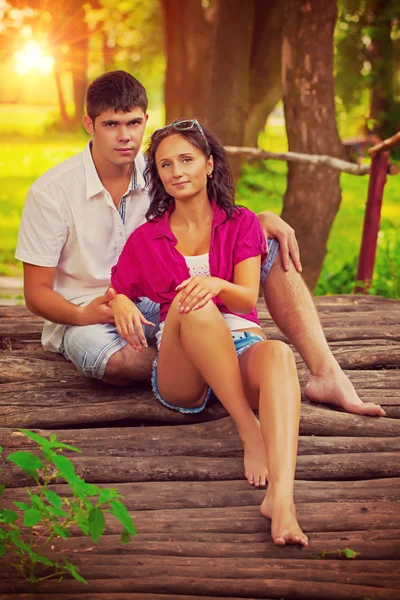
(32, 57)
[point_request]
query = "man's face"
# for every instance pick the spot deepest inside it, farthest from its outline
(117, 136)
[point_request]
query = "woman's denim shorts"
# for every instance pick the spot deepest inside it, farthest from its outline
(242, 340)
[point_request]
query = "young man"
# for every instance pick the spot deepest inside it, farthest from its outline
(76, 220)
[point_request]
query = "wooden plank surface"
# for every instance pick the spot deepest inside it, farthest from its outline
(200, 533)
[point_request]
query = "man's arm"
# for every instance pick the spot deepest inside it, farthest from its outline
(43, 300)
(275, 227)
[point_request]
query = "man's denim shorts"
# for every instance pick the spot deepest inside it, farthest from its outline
(242, 340)
(91, 347)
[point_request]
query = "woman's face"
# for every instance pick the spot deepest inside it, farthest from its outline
(182, 167)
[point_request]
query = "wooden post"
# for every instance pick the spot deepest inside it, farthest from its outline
(366, 261)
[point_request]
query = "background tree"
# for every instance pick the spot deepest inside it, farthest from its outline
(367, 70)
(188, 43)
(246, 70)
(313, 195)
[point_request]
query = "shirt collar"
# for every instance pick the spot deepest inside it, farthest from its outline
(93, 183)
(163, 229)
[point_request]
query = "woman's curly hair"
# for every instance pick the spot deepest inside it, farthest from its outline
(220, 187)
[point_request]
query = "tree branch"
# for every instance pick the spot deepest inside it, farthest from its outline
(314, 159)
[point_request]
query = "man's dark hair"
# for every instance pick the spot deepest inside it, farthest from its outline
(220, 187)
(117, 90)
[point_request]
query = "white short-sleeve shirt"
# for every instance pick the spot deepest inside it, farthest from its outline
(70, 222)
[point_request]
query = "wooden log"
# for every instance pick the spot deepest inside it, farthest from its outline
(194, 440)
(27, 405)
(331, 574)
(200, 587)
(154, 495)
(93, 566)
(125, 469)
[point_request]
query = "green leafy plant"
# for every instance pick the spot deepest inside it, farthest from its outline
(26, 536)
(346, 553)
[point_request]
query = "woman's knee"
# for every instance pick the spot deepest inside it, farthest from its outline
(206, 314)
(277, 351)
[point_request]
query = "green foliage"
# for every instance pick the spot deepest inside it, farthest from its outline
(346, 553)
(47, 515)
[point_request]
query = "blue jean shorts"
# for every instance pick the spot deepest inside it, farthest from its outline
(90, 347)
(242, 340)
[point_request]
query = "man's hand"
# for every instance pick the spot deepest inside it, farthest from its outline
(98, 310)
(275, 227)
(195, 292)
(128, 321)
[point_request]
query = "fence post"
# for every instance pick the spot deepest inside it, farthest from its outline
(366, 261)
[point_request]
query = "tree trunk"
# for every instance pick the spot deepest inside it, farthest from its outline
(265, 70)
(383, 108)
(79, 57)
(313, 194)
(64, 119)
(228, 104)
(188, 39)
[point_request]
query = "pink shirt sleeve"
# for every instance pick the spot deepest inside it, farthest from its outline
(126, 277)
(250, 238)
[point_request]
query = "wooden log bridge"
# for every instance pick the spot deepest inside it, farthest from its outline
(200, 534)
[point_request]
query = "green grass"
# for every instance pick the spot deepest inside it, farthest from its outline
(23, 159)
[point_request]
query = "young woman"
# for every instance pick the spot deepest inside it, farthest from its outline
(199, 256)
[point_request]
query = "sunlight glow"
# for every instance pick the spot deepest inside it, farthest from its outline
(32, 57)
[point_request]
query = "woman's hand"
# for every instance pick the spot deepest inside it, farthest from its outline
(128, 321)
(275, 227)
(195, 292)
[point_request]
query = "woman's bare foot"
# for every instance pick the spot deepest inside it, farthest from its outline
(334, 387)
(284, 526)
(255, 459)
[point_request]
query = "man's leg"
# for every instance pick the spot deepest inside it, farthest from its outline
(99, 352)
(291, 306)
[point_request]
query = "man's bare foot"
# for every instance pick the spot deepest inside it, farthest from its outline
(255, 459)
(284, 526)
(334, 387)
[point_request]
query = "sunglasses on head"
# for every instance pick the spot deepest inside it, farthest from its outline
(186, 125)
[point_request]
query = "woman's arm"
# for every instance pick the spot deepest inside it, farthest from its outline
(240, 296)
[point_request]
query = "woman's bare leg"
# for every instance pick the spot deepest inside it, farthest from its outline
(198, 347)
(271, 383)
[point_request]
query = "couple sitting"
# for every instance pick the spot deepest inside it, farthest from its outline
(195, 266)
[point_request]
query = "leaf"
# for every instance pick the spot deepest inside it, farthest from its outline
(2, 488)
(348, 553)
(37, 502)
(57, 512)
(32, 517)
(8, 516)
(96, 523)
(42, 559)
(125, 537)
(53, 498)
(17, 541)
(72, 569)
(121, 513)
(21, 505)
(3, 549)
(83, 527)
(65, 467)
(25, 460)
(62, 532)
(39, 439)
